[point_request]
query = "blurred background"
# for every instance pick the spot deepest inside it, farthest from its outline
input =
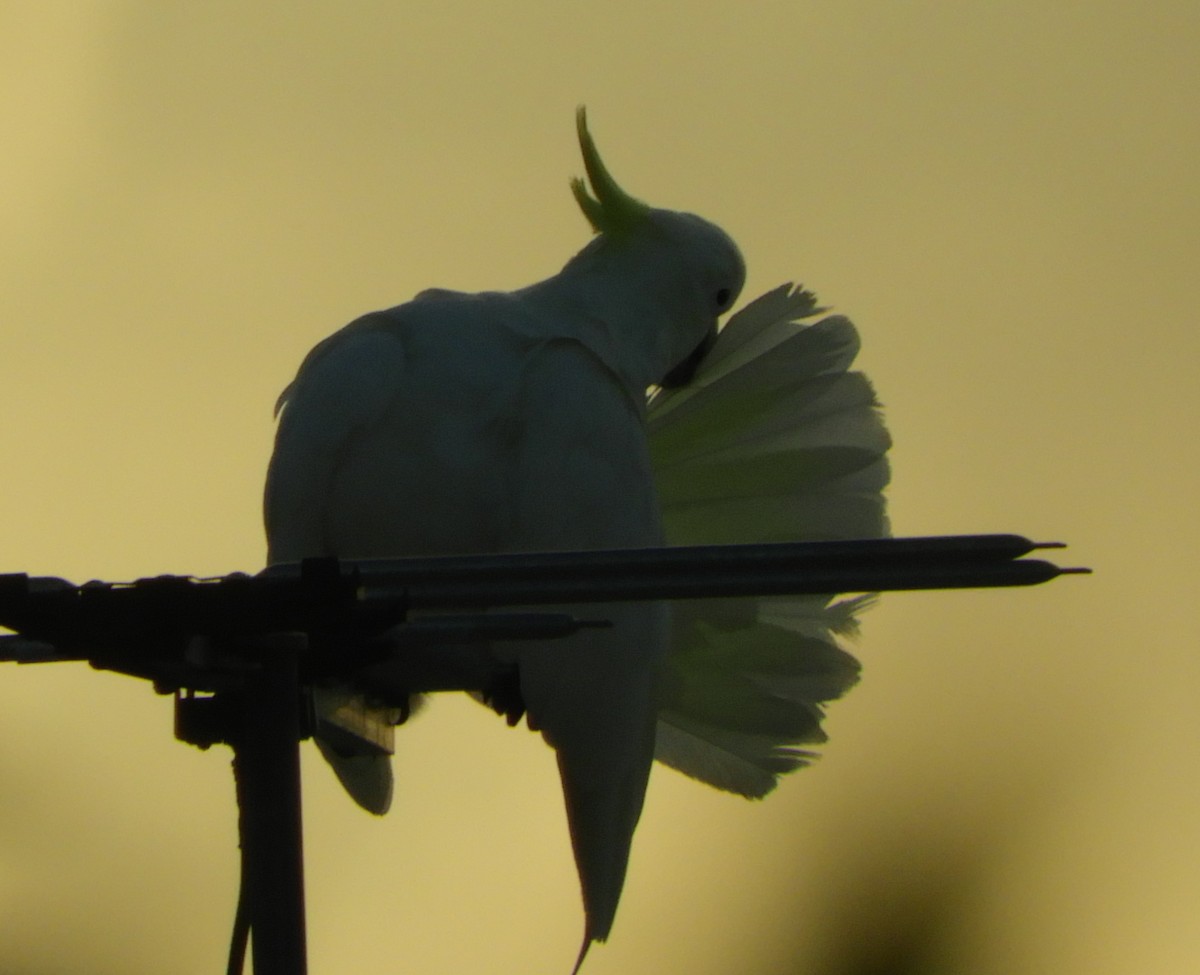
(1003, 196)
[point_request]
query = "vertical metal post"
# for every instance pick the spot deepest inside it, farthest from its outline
(267, 767)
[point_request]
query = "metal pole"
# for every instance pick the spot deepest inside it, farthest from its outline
(267, 768)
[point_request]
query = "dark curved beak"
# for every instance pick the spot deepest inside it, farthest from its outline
(685, 371)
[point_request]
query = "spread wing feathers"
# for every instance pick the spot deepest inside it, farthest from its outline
(775, 440)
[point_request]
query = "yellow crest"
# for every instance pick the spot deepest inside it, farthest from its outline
(611, 210)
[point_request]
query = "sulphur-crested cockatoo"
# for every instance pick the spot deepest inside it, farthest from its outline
(518, 421)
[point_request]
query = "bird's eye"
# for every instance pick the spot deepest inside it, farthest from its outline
(723, 298)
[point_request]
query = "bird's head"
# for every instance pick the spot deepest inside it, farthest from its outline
(671, 274)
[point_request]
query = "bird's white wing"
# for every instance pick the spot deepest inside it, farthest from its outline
(774, 440)
(343, 388)
(584, 482)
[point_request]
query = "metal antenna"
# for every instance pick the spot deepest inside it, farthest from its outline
(241, 653)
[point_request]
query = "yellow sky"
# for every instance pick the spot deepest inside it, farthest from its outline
(1003, 196)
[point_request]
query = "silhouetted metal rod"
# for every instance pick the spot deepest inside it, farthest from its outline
(872, 565)
(201, 634)
(266, 761)
(57, 620)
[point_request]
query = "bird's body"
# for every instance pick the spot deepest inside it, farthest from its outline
(506, 422)
(438, 428)
(456, 424)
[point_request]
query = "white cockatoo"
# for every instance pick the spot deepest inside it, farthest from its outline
(518, 421)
